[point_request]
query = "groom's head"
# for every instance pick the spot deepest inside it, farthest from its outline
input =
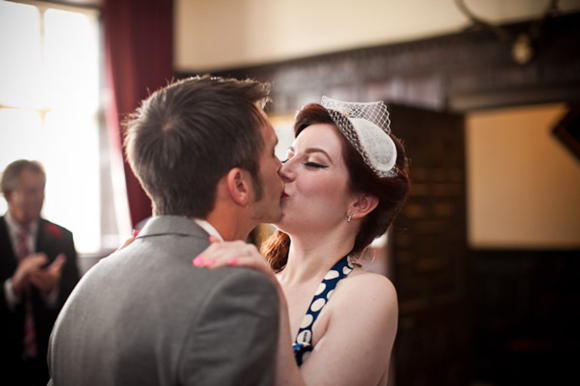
(185, 137)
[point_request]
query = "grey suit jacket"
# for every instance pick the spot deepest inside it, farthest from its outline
(146, 316)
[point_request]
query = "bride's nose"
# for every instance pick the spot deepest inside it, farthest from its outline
(286, 171)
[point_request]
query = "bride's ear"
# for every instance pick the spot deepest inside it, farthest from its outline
(363, 205)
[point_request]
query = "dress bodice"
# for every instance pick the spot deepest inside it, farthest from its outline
(302, 346)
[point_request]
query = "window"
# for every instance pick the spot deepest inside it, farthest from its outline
(50, 111)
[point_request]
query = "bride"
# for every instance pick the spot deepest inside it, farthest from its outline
(345, 180)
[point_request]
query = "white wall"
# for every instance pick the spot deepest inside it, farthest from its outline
(218, 34)
(523, 184)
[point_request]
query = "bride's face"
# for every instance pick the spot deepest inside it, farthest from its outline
(316, 194)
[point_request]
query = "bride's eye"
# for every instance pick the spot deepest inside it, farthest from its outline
(314, 165)
(289, 154)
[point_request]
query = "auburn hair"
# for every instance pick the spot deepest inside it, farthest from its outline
(390, 191)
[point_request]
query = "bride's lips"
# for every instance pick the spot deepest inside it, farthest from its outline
(284, 195)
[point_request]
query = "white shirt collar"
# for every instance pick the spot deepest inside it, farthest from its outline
(14, 231)
(208, 228)
(14, 227)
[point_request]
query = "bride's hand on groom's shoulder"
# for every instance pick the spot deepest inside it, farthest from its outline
(232, 253)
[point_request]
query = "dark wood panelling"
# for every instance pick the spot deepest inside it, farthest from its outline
(430, 256)
(526, 316)
(459, 72)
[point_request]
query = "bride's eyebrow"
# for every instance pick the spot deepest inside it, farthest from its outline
(313, 150)
(318, 150)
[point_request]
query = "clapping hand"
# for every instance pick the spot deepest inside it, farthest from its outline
(46, 279)
(30, 271)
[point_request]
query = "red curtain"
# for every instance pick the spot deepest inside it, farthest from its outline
(138, 55)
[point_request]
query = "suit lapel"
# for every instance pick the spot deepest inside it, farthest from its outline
(46, 242)
(8, 262)
(40, 236)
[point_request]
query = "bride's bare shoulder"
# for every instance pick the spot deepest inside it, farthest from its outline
(368, 285)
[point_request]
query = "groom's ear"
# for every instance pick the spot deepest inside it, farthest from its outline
(238, 184)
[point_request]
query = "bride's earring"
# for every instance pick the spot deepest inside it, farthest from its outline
(350, 216)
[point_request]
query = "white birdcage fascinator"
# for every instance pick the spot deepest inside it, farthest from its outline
(367, 128)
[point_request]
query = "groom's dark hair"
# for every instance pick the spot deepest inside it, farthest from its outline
(189, 134)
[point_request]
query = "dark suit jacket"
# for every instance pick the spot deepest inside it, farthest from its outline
(52, 240)
(146, 316)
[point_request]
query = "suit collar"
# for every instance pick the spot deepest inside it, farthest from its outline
(206, 226)
(11, 228)
(14, 227)
(172, 225)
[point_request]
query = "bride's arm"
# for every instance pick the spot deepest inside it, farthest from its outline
(238, 253)
(357, 343)
(356, 346)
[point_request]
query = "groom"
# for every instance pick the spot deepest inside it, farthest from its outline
(203, 150)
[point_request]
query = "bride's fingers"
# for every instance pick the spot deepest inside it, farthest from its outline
(233, 253)
(215, 257)
(230, 249)
(230, 257)
(203, 261)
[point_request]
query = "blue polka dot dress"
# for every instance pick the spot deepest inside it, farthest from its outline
(303, 344)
